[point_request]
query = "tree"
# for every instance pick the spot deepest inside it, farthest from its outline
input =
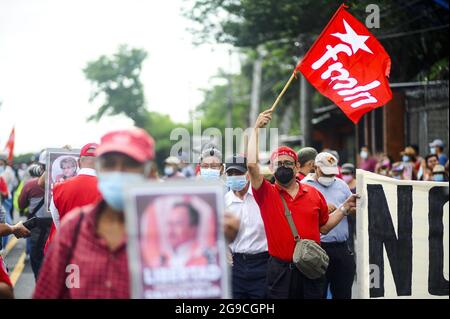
(414, 33)
(116, 83)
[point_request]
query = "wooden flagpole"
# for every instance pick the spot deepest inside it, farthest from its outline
(283, 91)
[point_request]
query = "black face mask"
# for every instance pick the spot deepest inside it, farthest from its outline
(284, 175)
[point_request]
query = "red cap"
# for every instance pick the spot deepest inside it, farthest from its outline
(283, 150)
(88, 149)
(135, 143)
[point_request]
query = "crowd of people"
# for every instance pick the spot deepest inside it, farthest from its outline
(308, 195)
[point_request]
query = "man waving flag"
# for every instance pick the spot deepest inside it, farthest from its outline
(348, 65)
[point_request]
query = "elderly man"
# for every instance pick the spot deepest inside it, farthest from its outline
(309, 212)
(341, 268)
(249, 248)
(306, 157)
(93, 237)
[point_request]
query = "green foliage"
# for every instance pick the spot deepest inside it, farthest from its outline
(116, 83)
(160, 126)
(24, 158)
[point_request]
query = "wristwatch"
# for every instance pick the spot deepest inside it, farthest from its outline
(344, 210)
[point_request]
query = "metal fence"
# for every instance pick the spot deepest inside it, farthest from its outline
(426, 116)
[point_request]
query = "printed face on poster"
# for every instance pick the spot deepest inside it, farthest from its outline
(62, 164)
(175, 241)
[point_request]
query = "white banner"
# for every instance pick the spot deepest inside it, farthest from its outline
(402, 238)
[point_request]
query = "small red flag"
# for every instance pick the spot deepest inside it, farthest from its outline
(10, 145)
(348, 65)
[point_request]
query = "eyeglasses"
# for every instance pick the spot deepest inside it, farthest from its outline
(287, 164)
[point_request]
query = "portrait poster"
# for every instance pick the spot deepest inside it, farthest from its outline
(176, 244)
(62, 164)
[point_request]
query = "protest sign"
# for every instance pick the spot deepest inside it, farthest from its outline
(61, 165)
(176, 244)
(402, 242)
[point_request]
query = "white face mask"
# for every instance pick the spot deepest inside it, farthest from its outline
(364, 154)
(326, 181)
(169, 170)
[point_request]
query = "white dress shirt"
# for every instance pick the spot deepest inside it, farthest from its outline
(251, 237)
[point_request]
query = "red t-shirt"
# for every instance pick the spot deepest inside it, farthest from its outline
(309, 211)
(77, 191)
(3, 274)
(3, 187)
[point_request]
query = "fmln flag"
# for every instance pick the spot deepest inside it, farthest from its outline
(348, 65)
(9, 147)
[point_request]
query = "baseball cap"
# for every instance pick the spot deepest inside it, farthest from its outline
(237, 162)
(88, 150)
(348, 168)
(327, 163)
(135, 143)
(283, 150)
(43, 157)
(437, 143)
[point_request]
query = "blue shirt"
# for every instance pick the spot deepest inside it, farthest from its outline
(443, 159)
(335, 194)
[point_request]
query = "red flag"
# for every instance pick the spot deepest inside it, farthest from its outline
(348, 65)
(10, 145)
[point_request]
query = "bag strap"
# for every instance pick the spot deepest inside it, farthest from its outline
(37, 208)
(290, 220)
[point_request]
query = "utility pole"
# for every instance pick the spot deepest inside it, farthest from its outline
(256, 88)
(229, 121)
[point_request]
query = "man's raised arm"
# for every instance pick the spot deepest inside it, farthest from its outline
(256, 178)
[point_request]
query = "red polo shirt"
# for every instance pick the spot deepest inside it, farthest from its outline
(309, 211)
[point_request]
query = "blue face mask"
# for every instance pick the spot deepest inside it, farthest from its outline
(406, 158)
(438, 178)
(236, 183)
(112, 185)
(2, 169)
(210, 173)
(433, 150)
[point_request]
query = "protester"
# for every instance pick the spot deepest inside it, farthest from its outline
(77, 191)
(172, 168)
(341, 269)
(185, 166)
(383, 165)
(249, 248)
(94, 237)
(437, 147)
(366, 161)
(439, 174)
(349, 176)
(306, 157)
(426, 169)
(309, 211)
(397, 171)
(211, 166)
(409, 163)
(33, 198)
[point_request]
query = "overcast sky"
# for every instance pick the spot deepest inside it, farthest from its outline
(44, 45)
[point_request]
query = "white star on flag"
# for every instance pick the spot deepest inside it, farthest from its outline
(352, 38)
